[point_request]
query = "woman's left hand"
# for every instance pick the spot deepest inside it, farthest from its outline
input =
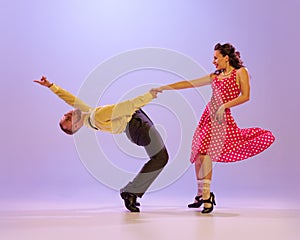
(219, 116)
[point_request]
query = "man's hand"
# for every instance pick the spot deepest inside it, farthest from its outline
(154, 92)
(44, 82)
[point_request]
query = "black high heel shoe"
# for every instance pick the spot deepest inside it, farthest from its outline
(198, 202)
(210, 200)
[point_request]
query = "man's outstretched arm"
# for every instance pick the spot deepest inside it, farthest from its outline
(128, 107)
(64, 95)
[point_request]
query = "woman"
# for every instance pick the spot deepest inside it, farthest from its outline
(217, 137)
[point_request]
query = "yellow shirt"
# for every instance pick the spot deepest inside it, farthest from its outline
(110, 118)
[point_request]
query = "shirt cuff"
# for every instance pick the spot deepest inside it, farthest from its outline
(54, 88)
(147, 97)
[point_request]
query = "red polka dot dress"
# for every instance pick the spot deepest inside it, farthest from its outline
(226, 142)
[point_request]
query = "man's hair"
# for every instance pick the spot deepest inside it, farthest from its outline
(67, 131)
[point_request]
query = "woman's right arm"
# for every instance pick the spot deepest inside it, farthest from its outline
(206, 80)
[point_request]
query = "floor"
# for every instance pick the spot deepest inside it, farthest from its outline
(239, 220)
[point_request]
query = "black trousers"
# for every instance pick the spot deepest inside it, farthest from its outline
(141, 131)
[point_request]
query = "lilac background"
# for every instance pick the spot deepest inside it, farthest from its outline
(65, 40)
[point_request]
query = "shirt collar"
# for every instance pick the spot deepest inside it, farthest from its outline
(90, 123)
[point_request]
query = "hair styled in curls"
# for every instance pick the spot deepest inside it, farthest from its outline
(234, 56)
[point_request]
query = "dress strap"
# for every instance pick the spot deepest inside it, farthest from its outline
(235, 79)
(233, 71)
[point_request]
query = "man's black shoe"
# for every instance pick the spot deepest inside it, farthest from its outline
(130, 201)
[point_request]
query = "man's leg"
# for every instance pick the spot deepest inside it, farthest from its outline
(142, 132)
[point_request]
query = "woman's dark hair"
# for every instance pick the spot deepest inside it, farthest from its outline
(234, 56)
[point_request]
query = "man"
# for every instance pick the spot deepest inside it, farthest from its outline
(125, 117)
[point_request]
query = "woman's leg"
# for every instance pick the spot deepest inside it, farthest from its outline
(204, 177)
(203, 170)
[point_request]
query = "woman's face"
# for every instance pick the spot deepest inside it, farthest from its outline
(220, 61)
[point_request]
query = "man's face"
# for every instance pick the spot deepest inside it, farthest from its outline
(70, 119)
